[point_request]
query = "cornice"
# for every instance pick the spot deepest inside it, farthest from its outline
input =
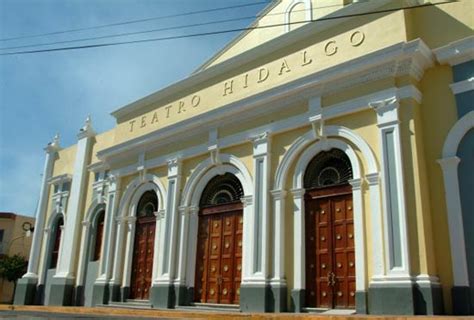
(393, 61)
(456, 52)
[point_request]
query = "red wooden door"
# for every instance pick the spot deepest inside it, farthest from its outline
(219, 255)
(330, 256)
(142, 265)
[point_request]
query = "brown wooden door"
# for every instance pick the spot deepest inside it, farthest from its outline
(219, 255)
(142, 265)
(330, 257)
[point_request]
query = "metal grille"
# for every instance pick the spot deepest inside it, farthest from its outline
(222, 189)
(328, 168)
(148, 204)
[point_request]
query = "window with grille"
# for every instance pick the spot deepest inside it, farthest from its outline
(222, 189)
(328, 168)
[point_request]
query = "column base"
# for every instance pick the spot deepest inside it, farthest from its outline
(279, 298)
(115, 293)
(25, 291)
(255, 298)
(361, 302)
(428, 299)
(297, 300)
(184, 295)
(79, 299)
(163, 296)
(396, 299)
(461, 299)
(100, 294)
(61, 293)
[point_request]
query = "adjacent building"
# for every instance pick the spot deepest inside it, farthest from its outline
(306, 166)
(15, 239)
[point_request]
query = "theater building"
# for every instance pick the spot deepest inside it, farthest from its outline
(305, 167)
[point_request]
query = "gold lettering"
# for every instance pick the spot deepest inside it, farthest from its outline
(246, 80)
(195, 101)
(143, 123)
(357, 38)
(155, 118)
(284, 67)
(330, 48)
(263, 74)
(168, 110)
(228, 87)
(306, 60)
(181, 107)
(131, 125)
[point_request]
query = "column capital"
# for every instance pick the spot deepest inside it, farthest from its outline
(356, 183)
(278, 194)
(53, 146)
(247, 200)
(386, 109)
(160, 214)
(174, 167)
(86, 131)
(451, 162)
(372, 178)
(298, 192)
(86, 224)
(261, 143)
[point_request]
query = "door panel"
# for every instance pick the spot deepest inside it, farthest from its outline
(218, 272)
(330, 256)
(142, 265)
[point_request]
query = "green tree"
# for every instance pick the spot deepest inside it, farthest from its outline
(12, 268)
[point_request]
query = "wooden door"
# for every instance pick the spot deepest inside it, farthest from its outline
(330, 256)
(219, 255)
(142, 266)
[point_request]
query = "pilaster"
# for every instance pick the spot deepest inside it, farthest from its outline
(299, 281)
(162, 294)
(26, 287)
(68, 253)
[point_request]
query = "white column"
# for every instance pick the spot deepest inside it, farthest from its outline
(43, 267)
(455, 222)
(378, 260)
(159, 218)
(169, 244)
(395, 224)
(83, 254)
(118, 252)
(33, 263)
(107, 250)
(260, 221)
(131, 223)
(183, 246)
(279, 238)
(68, 253)
(299, 261)
(247, 239)
(359, 234)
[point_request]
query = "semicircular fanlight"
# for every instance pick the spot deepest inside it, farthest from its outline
(328, 168)
(148, 204)
(222, 189)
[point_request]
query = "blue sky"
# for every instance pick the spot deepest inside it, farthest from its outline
(46, 93)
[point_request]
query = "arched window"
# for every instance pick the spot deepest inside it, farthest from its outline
(99, 231)
(328, 168)
(57, 242)
(222, 189)
(148, 204)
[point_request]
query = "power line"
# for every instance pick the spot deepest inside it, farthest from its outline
(136, 21)
(156, 30)
(221, 31)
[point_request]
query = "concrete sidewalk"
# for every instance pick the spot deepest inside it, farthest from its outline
(46, 312)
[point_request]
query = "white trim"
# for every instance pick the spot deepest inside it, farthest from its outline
(462, 86)
(191, 195)
(308, 7)
(449, 165)
(298, 191)
(48, 230)
(456, 52)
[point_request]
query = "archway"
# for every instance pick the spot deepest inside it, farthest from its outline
(329, 232)
(219, 250)
(143, 250)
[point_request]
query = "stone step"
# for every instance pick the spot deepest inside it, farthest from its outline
(214, 307)
(129, 304)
